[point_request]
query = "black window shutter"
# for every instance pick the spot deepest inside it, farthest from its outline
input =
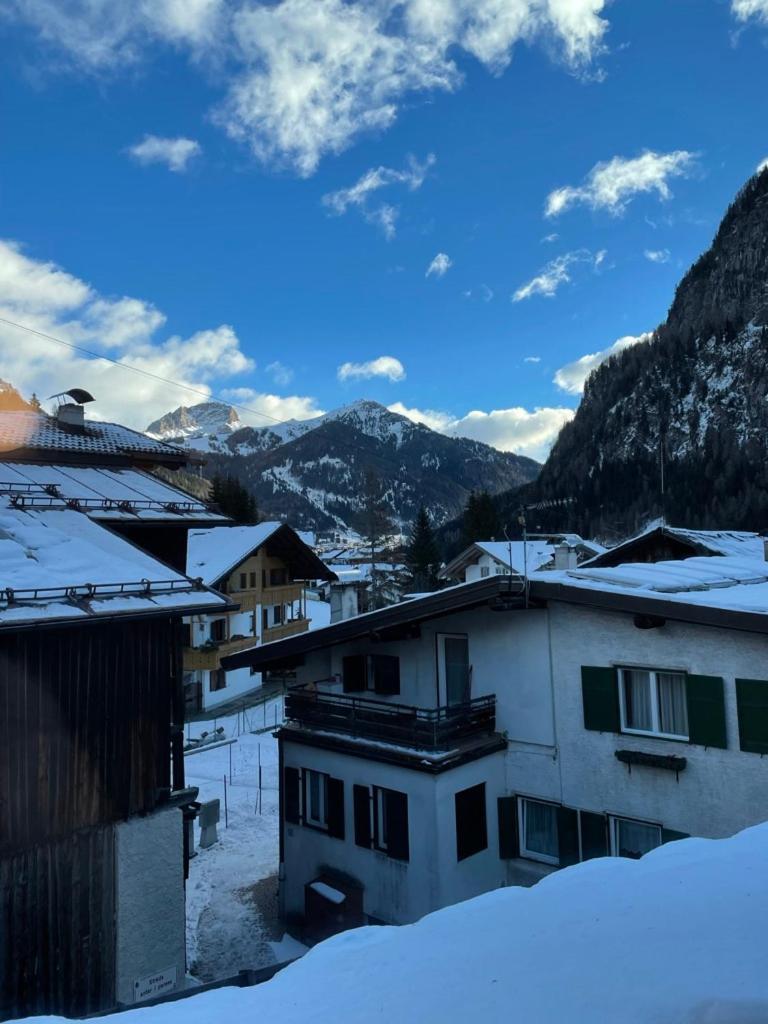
(706, 711)
(471, 823)
(752, 701)
(397, 824)
(567, 836)
(291, 803)
(386, 673)
(509, 840)
(354, 672)
(600, 693)
(668, 835)
(362, 802)
(594, 835)
(335, 807)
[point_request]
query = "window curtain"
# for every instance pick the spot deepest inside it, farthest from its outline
(541, 829)
(673, 710)
(637, 699)
(636, 838)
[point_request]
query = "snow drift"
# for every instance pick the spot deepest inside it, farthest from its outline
(675, 938)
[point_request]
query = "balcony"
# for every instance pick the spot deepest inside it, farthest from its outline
(208, 658)
(402, 725)
(285, 629)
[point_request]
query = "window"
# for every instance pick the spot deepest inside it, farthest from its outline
(538, 831)
(219, 630)
(277, 615)
(381, 820)
(217, 680)
(243, 580)
(278, 577)
(453, 668)
(252, 580)
(377, 672)
(263, 577)
(315, 798)
(471, 824)
(484, 571)
(653, 702)
(633, 838)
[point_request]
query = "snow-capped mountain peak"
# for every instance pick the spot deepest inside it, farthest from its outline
(203, 419)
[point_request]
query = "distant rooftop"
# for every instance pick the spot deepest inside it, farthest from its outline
(214, 553)
(35, 436)
(659, 541)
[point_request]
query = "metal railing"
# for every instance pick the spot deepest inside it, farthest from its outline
(432, 729)
(88, 591)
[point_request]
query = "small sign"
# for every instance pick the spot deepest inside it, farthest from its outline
(154, 985)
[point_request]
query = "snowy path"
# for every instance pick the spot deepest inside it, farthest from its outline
(232, 887)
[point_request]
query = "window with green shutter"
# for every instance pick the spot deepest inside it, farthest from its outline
(600, 694)
(706, 711)
(752, 701)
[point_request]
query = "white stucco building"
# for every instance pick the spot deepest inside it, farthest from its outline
(465, 740)
(499, 558)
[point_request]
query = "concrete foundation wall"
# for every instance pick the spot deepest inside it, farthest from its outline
(149, 900)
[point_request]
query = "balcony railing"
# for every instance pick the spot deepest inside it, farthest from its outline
(208, 657)
(284, 629)
(431, 729)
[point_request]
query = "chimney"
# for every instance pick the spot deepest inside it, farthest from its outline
(565, 558)
(71, 415)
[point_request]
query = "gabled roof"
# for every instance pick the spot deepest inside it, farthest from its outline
(533, 554)
(214, 553)
(737, 543)
(36, 437)
(102, 493)
(59, 565)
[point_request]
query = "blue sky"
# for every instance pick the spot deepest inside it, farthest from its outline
(205, 189)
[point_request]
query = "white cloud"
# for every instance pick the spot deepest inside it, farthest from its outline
(516, 429)
(46, 298)
(304, 78)
(657, 255)
(281, 375)
(613, 184)
(572, 377)
(384, 366)
(746, 9)
(532, 359)
(761, 166)
(174, 153)
(552, 237)
(440, 265)
(555, 273)
(358, 195)
(262, 409)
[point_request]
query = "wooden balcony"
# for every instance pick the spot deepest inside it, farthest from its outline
(427, 729)
(251, 598)
(208, 658)
(285, 629)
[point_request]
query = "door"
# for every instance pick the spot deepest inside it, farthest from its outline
(454, 672)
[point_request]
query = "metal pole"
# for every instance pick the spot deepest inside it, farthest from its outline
(226, 814)
(230, 763)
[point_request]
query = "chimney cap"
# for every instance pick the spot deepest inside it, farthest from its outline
(78, 395)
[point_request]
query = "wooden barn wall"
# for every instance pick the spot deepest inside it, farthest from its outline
(85, 718)
(57, 927)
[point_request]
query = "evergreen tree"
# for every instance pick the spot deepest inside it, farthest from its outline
(233, 499)
(481, 519)
(423, 556)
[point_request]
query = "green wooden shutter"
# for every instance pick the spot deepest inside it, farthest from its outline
(752, 701)
(291, 803)
(509, 841)
(600, 693)
(567, 836)
(362, 804)
(354, 673)
(397, 824)
(386, 673)
(335, 807)
(706, 711)
(668, 835)
(594, 835)
(471, 823)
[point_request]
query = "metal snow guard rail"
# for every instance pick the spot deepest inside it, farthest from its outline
(432, 729)
(56, 501)
(87, 591)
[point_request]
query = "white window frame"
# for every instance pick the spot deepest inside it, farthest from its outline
(380, 840)
(655, 712)
(614, 821)
(321, 821)
(485, 571)
(543, 858)
(442, 682)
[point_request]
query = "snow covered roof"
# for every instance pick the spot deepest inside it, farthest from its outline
(59, 564)
(739, 543)
(216, 552)
(677, 936)
(29, 435)
(108, 495)
(534, 554)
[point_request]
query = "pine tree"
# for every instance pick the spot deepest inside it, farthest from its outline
(423, 556)
(481, 519)
(234, 500)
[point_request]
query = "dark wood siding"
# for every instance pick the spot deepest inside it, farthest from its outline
(57, 931)
(85, 727)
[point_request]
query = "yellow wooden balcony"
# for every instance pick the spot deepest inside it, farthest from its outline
(208, 659)
(285, 629)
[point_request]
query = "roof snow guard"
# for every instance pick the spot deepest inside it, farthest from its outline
(36, 437)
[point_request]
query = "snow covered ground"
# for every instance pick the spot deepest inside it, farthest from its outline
(232, 887)
(675, 938)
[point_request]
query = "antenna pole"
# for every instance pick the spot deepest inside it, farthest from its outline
(661, 474)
